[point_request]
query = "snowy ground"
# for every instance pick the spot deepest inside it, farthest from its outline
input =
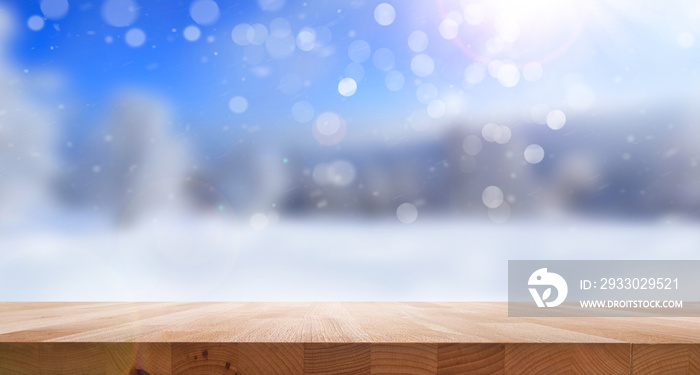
(309, 260)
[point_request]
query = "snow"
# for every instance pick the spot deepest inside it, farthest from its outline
(211, 259)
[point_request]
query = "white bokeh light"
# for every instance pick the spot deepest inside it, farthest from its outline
(492, 132)
(685, 39)
(54, 9)
(383, 59)
(135, 37)
(328, 123)
(290, 84)
(280, 48)
(426, 92)
(492, 196)
(240, 33)
(532, 71)
(436, 109)
(502, 134)
(488, 130)
(271, 5)
(191, 33)
(359, 51)
(204, 12)
(394, 80)
(539, 112)
(474, 73)
(238, 104)
(422, 65)
(449, 29)
(259, 221)
(355, 71)
(474, 13)
(507, 27)
(280, 28)
(418, 41)
(35, 23)
(384, 14)
(580, 96)
(500, 214)
(472, 145)
(556, 119)
(258, 35)
(347, 87)
(534, 154)
(493, 67)
(303, 111)
(329, 128)
(338, 173)
(407, 213)
(508, 75)
(306, 39)
(120, 13)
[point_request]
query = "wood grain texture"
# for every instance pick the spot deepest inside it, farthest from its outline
(665, 359)
(329, 322)
(602, 359)
(204, 358)
(247, 338)
(19, 358)
(407, 359)
(480, 359)
(341, 359)
(271, 359)
(132, 358)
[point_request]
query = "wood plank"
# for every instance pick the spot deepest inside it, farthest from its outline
(480, 359)
(19, 358)
(304, 322)
(340, 359)
(407, 359)
(138, 358)
(72, 358)
(270, 359)
(204, 358)
(334, 338)
(602, 359)
(665, 359)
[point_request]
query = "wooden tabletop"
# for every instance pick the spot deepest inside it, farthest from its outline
(233, 335)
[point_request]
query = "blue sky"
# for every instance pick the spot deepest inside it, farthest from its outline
(617, 49)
